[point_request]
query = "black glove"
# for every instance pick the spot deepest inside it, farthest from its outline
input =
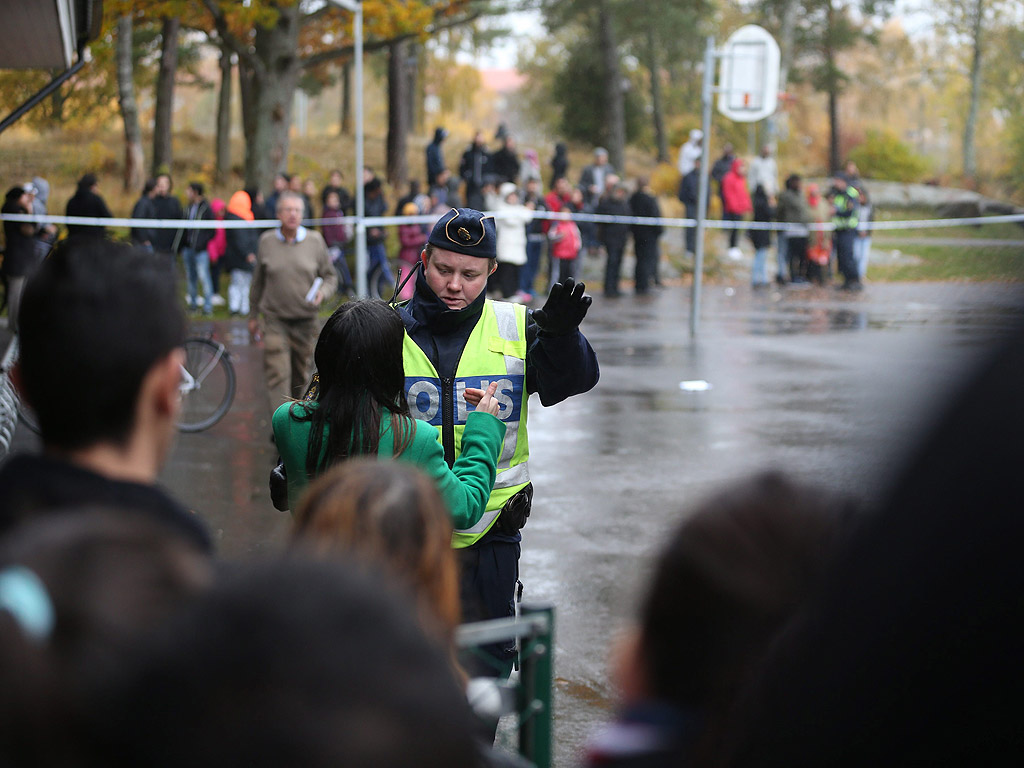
(565, 308)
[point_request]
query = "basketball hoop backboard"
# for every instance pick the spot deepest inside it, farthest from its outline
(748, 83)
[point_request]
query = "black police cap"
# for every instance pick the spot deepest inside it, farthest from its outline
(465, 231)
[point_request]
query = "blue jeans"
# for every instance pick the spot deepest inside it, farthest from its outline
(758, 274)
(861, 249)
(197, 264)
(377, 255)
(781, 253)
(528, 274)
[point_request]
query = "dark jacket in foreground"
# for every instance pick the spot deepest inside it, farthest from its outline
(31, 486)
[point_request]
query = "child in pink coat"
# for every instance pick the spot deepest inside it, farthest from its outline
(412, 239)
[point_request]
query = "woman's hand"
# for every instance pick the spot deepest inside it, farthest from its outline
(483, 401)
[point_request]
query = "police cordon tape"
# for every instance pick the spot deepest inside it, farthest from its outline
(387, 221)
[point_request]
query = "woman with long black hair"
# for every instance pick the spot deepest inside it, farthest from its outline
(360, 409)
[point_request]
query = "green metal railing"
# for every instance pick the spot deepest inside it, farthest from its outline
(530, 696)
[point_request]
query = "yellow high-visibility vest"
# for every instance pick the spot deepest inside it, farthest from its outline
(495, 350)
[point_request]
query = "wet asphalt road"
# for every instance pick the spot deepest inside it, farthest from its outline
(829, 387)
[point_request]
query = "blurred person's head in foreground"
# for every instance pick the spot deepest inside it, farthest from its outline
(78, 591)
(392, 514)
(291, 662)
(911, 655)
(729, 580)
(101, 351)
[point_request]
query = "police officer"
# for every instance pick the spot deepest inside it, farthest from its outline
(457, 338)
(845, 204)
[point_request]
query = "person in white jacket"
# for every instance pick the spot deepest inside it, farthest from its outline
(691, 152)
(511, 218)
(763, 170)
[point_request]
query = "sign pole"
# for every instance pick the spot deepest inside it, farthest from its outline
(705, 180)
(356, 7)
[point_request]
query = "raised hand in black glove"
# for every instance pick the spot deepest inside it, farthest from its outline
(565, 308)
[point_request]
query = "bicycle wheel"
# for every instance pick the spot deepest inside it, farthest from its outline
(208, 385)
(379, 286)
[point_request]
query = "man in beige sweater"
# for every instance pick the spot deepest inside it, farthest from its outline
(292, 276)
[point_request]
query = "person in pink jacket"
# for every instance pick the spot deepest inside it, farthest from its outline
(412, 239)
(216, 249)
(735, 201)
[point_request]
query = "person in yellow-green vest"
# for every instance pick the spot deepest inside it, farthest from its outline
(845, 204)
(456, 339)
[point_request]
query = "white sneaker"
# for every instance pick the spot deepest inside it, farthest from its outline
(735, 254)
(217, 300)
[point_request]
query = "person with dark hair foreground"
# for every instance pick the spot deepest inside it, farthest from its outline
(912, 653)
(78, 590)
(108, 313)
(290, 663)
(732, 577)
(360, 409)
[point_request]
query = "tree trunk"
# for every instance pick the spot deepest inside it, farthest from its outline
(162, 153)
(57, 100)
(833, 93)
(416, 91)
(133, 156)
(346, 99)
(787, 29)
(398, 113)
(656, 106)
(247, 93)
(970, 166)
(615, 114)
(273, 92)
(786, 32)
(222, 153)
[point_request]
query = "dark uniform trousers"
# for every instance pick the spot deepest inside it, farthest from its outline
(488, 573)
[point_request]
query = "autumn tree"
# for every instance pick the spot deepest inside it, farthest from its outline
(822, 30)
(276, 41)
(666, 38)
(977, 26)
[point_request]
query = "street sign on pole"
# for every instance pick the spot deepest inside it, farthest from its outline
(748, 84)
(748, 90)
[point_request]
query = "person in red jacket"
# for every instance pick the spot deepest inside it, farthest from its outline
(735, 201)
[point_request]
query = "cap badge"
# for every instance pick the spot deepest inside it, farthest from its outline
(464, 234)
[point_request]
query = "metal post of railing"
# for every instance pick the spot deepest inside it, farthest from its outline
(537, 680)
(705, 173)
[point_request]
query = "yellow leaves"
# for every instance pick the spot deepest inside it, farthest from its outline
(386, 19)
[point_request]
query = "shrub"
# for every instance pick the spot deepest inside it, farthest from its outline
(883, 156)
(665, 180)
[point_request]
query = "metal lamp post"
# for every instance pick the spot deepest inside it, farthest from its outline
(356, 7)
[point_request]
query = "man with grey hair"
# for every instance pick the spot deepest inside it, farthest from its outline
(292, 276)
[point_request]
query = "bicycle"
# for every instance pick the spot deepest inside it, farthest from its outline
(207, 384)
(207, 389)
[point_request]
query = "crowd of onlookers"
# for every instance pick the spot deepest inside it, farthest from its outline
(805, 252)
(501, 180)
